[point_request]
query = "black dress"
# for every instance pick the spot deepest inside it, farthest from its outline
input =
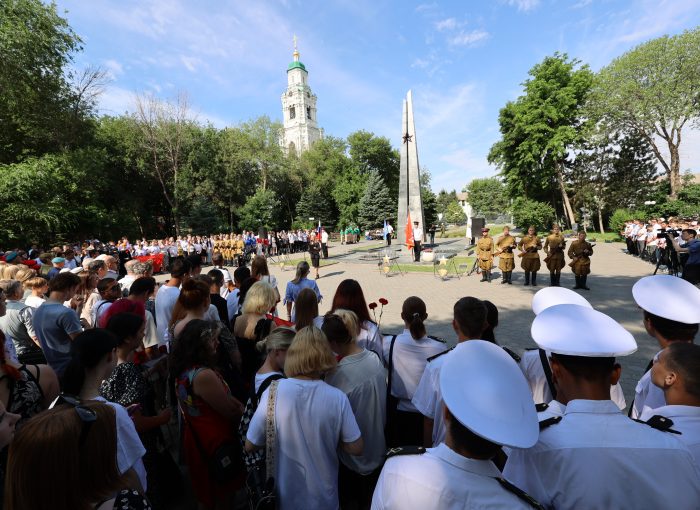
(315, 252)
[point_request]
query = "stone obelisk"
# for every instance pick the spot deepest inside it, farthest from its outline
(409, 174)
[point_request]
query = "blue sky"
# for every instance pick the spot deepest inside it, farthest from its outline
(462, 59)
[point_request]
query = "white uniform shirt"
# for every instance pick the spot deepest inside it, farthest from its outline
(362, 377)
(166, 297)
(324, 237)
(441, 479)
(409, 360)
(647, 396)
(311, 419)
(686, 420)
(532, 369)
(417, 234)
(596, 457)
(370, 338)
(428, 398)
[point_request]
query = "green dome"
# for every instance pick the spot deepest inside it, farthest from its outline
(296, 65)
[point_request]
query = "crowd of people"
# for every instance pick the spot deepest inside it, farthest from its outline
(670, 243)
(260, 396)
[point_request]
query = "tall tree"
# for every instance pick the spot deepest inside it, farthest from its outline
(430, 207)
(488, 196)
(164, 128)
(375, 153)
(541, 126)
(653, 91)
(376, 204)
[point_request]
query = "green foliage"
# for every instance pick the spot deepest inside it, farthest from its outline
(430, 206)
(617, 220)
(347, 193)
(539, 127)
(371, 153)
(653, 90)
(316, 203)
(455, 214)
(528, 212)
(259, 210)
(376, 204)
(488, 196)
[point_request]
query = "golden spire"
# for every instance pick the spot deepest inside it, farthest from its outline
(296, 51)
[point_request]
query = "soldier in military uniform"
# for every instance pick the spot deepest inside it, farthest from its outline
(530, 244)
(484, 254)
(580, 252)
(554, 248)
(506, 260)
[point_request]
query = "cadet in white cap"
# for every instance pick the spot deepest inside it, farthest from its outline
(671, 309)
(677, 373)
(459, 473)
(469, 323)
(595, 456)
(535, 363)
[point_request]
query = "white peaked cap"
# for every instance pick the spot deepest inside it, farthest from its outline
(581, 331)
(668, 297)
(550, 296)
(486, 392)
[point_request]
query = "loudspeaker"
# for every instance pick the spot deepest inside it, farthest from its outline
(477, 225)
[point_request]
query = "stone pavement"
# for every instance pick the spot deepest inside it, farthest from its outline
(611, 282)
(613, 274)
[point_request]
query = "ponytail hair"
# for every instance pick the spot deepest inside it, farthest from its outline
(279, 338)
(87, 350)
(413, 313)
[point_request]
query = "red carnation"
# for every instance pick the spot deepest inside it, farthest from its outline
(372, 305)
(383, 301)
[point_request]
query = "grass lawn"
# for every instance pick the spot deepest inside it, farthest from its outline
(366, 247)
(426, 267)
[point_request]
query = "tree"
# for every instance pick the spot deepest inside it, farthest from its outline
(376, 205)
(164, 129)
(455, 214)
(428, 198)
(374, 153)
(315, 202)
(444, 199)
(540, 127)
(528, 212)
(488, 196)
(652, 90)
(259, 211)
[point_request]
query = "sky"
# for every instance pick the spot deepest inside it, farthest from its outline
(462, 59)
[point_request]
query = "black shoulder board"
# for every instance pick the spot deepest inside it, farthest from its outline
(520, 493)
(405, 450)
(549, 422)
(511, 354)
(437, 339)
(541, 407)
(661, 423)
(431, 358)
(531, 348)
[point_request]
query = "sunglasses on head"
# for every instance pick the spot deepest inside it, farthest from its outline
(87, 416)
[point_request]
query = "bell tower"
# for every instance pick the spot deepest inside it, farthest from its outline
(298, 109)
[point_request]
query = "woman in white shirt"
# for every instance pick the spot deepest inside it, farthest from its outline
(349, 296)
(362, 377)
(311, 419)
(406, 356)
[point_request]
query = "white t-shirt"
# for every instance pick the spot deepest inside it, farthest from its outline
(362, 377)
(260, 378)
(33, 301)
(311, 419)
(165, 302)
(409, 359)
(428, 398)
(370, 338)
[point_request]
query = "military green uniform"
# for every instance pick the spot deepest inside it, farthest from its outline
(554, 248)
(506, 259)
(484, 254)
(530, 244)
(580, 252)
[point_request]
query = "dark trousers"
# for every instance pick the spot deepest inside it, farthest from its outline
(416, 251)
(691, 273)
(324, 249)
(388, 239)
(355, 490)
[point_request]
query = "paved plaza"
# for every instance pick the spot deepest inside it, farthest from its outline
(613, 274)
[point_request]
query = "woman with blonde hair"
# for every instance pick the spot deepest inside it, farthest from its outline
(276, 346)
(10, 271)
(253, 325)
(311, 419)
(361, 376)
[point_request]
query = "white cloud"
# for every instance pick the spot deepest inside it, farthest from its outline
(524, 5)
(113, 67)
(581, 3)
(420, 63)
(191, 63)
(427, 7)
(471, 38)
(446, 24)
(116, 101)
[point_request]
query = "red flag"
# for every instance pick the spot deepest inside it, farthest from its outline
(409, 232)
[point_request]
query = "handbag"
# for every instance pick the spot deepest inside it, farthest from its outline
(260, 483)
(225, 463)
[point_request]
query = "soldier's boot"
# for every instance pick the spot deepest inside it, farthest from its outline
(552, 279)
(527, 278)
(583, 282)
(483, 276)
(578, 282)
(488, 276)
(510, 278)
(557, 279)
(534, 278)
(504, 277)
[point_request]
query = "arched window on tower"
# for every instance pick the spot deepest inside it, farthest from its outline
(292, 148)
(292, 112)
(308, 112)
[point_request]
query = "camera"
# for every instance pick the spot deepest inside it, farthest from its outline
(669, 234)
